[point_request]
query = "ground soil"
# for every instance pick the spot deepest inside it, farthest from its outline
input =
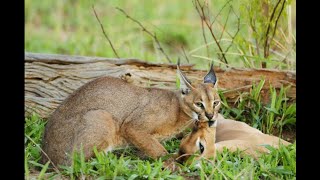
(287, 134)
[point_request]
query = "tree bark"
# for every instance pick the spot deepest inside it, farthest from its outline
(50, 78)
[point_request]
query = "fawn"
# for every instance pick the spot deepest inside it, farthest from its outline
(210, 137)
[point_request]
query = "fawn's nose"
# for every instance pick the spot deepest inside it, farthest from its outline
(209, 116)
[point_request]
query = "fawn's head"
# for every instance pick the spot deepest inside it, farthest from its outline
(200, 101)
(200, 142)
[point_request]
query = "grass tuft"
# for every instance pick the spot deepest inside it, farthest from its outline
(270, 118)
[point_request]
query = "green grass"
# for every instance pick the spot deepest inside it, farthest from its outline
(270, 118)
(126, 164)
(70, 27)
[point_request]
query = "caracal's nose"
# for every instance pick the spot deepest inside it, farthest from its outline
(209, 116)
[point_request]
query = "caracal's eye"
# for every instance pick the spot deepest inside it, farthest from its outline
(201, 147)
(216, 103)
(199, 104)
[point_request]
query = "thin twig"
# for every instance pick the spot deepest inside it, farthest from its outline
(203, 33)
(276, 24)
(227, 32)
(184, 53)
(257, 45)
(105, 34)
(203, 17)
(253, 27)
(234, 36)
(214, 19)
(267, 42)
(223, 27)
(148, 32)
(225, 24)
(204, 37)
(54, 167)
(209, 15)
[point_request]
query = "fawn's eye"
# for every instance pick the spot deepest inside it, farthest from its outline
(201, 147)
(199, 104)
(216, 103)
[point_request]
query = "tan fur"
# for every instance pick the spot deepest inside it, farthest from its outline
(230, 134)
(111, 113)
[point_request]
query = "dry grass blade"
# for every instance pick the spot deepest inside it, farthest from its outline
(209, 44)
(54, 166)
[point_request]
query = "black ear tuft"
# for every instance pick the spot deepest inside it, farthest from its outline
(210, 123)
(211, 76)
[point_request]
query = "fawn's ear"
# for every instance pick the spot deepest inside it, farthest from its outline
(185, 84)
(211, 77)
(196, 126)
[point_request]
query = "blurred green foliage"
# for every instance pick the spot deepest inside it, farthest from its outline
(70, 27)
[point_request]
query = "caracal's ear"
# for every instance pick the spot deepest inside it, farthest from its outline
(185, 84)
(211, 77)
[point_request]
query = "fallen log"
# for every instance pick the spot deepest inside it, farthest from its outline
(50, 78)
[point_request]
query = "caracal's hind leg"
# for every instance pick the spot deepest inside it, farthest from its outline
(98, 129)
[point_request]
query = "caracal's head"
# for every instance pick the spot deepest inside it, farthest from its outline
(200, 101)
(200, 142)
